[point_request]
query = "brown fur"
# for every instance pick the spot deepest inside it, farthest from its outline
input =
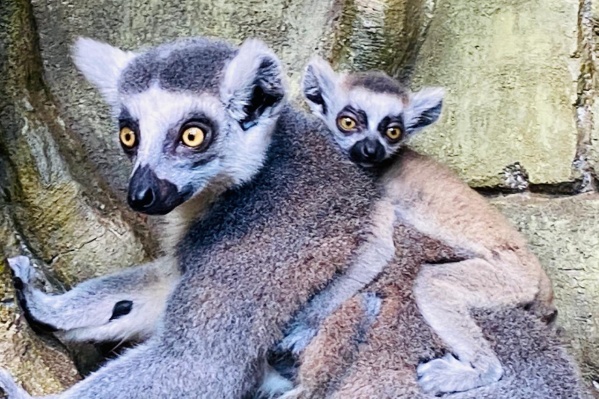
(439, 221)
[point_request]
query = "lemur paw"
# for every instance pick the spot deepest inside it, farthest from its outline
(23, 274)
(9, 388)
(298, 338)
(273, 386)
(22, 271)
(448, 374)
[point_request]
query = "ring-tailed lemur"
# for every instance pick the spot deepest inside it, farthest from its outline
(370, 116)
(200, 116)
(135, 362)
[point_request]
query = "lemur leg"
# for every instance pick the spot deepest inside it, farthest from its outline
(121, 306)
(445, 294)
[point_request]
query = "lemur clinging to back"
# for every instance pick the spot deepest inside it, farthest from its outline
(266, 246)
(370, 117)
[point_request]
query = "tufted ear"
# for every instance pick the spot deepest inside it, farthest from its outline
(318, 85)
(101, 64)
(253, 85)
(424, 108)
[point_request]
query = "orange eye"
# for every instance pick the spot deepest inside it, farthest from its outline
(193, 136)
(128, 138)
(346, 123)
(394, 133)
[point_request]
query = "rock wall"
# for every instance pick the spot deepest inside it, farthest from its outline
(519, 125)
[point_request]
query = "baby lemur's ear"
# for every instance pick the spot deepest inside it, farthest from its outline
(318, 85)
(424, 108)
(253, 85)
(101, 64)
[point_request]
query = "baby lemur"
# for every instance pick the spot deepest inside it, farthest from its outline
(370, 117)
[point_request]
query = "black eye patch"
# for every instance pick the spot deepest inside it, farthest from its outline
(390, 121)
(172, 143)
(358, 114)
(125, 119)
(121, 308)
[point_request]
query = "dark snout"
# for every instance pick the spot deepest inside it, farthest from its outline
(153, 196)
(367, 151)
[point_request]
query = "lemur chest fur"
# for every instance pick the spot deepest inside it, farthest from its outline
(291, 229)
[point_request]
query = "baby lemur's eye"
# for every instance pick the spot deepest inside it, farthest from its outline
(193, 136)
(393, 133)
(128, 138)
(346, 123)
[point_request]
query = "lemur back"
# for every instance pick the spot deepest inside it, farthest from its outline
(380, 335)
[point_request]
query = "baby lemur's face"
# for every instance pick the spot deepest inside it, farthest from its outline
(370, 114)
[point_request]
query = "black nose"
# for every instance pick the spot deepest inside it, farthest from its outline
(367, 151)
(154, 196)
(141, 189)
(141, 199)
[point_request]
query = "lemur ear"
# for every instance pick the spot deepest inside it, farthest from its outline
(253, 85)
(101, 64)
(424, 108)
(318, 85)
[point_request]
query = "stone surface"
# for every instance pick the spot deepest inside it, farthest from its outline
(564, 234)
(363, 34)
(52, 205)
(511, 85)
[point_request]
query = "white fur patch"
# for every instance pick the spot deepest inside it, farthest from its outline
(238, 82)
(273, 384)
(101, 64)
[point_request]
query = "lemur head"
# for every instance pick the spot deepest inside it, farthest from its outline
(190, 113)
(370, 114)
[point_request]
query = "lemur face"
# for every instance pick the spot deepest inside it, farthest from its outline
(370, 115)
(190, 113)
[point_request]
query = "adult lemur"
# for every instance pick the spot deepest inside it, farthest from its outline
(200, 117)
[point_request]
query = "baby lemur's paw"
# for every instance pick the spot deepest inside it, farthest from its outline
(448, 374)
(23, 274)
(298, 338)
(9, 388)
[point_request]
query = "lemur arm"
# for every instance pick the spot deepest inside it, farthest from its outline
(201, 349)
(121, 306)
(374, 255)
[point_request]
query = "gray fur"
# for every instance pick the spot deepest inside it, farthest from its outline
(286, 215)
(86, 312)
(190, 65)
(378, 82)
(245, 276)
(399, 339)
